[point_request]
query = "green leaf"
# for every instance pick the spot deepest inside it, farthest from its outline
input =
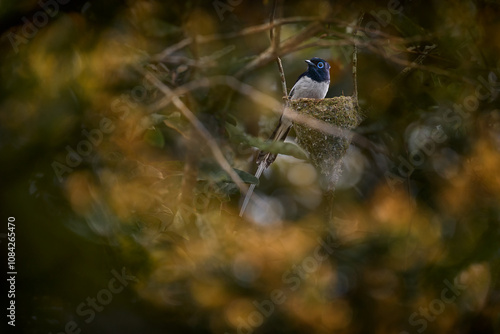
(237, 135)
(157, 118)
(246, 177)
(215, 174)
(175, 121)
(154, 137)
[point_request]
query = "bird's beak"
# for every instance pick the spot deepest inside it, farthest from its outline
(310, 62)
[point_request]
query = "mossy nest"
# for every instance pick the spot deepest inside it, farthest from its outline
(325, 150)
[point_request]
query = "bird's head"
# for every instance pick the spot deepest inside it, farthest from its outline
(318, 69)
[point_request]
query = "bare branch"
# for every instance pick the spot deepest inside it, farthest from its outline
(200, 128)
(286, 47)
(271, 21)
(275, 42)
(293, 45)
(419, 60)
(255, 95)
(202, 39)
(282, 76)
(168, 51)
(355, 60)
(372, 46)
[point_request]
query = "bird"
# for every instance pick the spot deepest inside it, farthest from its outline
(314, 84)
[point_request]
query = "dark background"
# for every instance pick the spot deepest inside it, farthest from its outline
(415, 211)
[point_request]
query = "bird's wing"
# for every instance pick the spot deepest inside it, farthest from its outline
(292, 91)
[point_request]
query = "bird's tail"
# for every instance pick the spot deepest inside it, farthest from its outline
(279, 134)
(261, 168)
(265, 159)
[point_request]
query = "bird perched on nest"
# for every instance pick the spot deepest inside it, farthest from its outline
(312, 84)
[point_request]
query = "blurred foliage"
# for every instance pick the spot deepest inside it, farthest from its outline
(107, 175)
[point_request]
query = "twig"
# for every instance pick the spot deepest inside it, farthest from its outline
(201, 62)
(190, 170)
(168, 51)
(324, 44)
(243, 88)
(407, 70)
(355, 61)
(419, 60)
(275, 42)
(265, 58)
(200, 128)
(292, 45)
(432, 69)
(202, 39)
(282, 76)
(286, 47)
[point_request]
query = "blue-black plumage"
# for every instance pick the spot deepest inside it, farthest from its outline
(314, 82)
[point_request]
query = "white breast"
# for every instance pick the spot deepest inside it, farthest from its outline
(308, 88)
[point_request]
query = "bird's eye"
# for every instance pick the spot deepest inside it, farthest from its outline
(320, 64)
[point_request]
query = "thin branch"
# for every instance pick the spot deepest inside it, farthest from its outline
(324, 44)
(190, 170)
(282, 76)
(268, 56)
(271, 21)
(203, 62)
(292, 45)
(355, 74)
(243, 88)
(200, 128)
(355, 60)
(202, 39)
(286, 47)
(371, 46)
(419, 60)
(275, 42)
(168, 51)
